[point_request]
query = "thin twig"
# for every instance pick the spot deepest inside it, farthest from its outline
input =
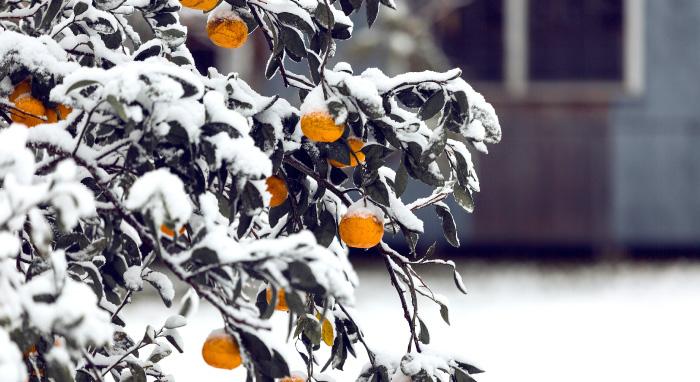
(404, 305)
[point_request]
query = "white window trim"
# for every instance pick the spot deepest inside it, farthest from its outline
(516, 46)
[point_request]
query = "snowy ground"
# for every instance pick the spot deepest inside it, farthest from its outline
(520, 323)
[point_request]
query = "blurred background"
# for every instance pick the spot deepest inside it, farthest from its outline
(580, 258)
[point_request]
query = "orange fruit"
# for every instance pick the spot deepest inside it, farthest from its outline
(30, 111)
(20, 89)
(361, 228)
(221, 350)
(167, 231)
(227, 31)
(278, 189)
(63, 111)
(202, 5)
(51, 116)
(356, 154)
(319, 126)
(292, 379)
(281, 299)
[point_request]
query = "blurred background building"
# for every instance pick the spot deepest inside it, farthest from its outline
(598, 103)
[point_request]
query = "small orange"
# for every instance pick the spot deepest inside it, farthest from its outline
(202, 5)
(20, 89)
(227, 31)
(356, 154)
(319, 126)
(221, 350)
(278, 189)
(30, 111)
(63, 111)
(361, 228)
(51, 116)
(167, 231)
(281, 299)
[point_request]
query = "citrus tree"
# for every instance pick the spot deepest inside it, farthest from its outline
(122, 166)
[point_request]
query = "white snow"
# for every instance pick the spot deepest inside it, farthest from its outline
(84, 322)
(363, 209)
(162, 194)
(11, 366)
(132, 278)
(519, 323)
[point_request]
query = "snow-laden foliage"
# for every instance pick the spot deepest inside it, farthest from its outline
(148, 171)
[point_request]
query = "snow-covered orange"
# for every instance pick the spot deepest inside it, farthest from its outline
(30, 111)
(362, 226)
(227, 30)
(356, 156)
(281, 299)
(21, 89)
(202, 5)
(278, 189)
(319, 126)
(221, 350)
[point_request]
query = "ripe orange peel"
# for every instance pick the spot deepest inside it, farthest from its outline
(201, 5)
(281, 299)
(221, 350)
(319, 126)
(226, 29)
(277, 187)
(30, 111)
(362, 226)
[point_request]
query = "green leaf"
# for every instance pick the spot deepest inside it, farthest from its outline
(324, 16)
(292, 20)
(471, 369)
(51, 12)
(204, 256)
(424, 335)
(59, 371)
(401, 179)
(445, 313)
(292, 41)
(377, 190)
(80, 84)
(79, 8)
(311, 328)
(372, 11)
(462, 376)
(187, 303)
(138, 374)
(432, 105)
(325, 232)
(463, 197)
(273, 64)
(118, 107)
(449, 227)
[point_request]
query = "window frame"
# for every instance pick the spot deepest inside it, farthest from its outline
(516, 80)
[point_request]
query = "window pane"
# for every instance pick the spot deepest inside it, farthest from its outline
(576, 39)
(472, 37)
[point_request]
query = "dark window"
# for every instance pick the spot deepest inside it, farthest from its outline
(472, 37)
(575, 39)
